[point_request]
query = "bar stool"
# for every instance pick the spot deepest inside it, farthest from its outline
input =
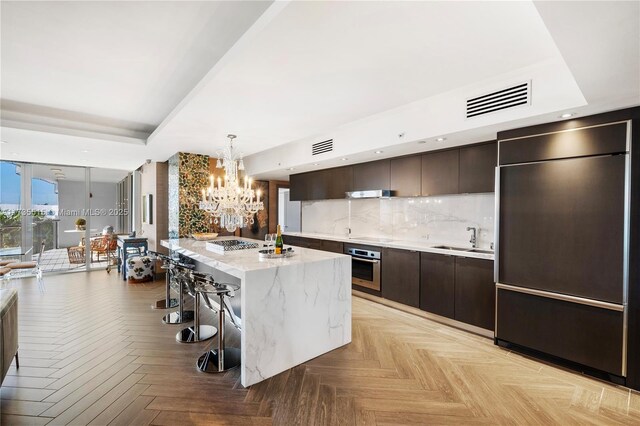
(168, 302)
(179, 273)
(197, 332)
(220, 359)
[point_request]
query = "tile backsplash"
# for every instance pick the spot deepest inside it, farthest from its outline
(429, 220)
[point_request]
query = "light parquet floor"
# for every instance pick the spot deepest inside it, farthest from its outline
(93, 352)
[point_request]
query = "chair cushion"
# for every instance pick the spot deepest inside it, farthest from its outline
(6, 262)
(4, 271)
(22, 265)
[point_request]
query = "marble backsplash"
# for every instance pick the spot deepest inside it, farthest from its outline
(428, 220)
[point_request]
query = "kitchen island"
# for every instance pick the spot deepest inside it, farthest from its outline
(292, 309)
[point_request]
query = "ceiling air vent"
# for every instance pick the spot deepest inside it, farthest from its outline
(322, 147)
(514, 96)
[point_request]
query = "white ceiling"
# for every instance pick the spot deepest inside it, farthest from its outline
(101, 76)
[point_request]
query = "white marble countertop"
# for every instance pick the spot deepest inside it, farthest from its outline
(293, 309)
(405, 245)
(238, 262)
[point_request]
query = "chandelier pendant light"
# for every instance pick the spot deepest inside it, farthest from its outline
(231, 202)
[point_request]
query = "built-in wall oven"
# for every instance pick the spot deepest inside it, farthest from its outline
(365, 267)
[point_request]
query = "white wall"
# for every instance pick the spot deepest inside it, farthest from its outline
(71, 197)
(428, 220)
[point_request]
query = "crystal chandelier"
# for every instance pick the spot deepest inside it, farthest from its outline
(232, 203)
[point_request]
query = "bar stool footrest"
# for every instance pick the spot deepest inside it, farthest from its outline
(208, 362)
(175, 318)
(162, 304)
(188, 335)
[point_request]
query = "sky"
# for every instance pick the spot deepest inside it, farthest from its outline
(42, 192)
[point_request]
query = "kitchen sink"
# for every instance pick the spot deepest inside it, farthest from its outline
(468, 250)
(451, 248)
(481, 251)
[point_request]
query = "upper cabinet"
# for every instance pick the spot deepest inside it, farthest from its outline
(372, 175)
(321, 185)
(299, 187)
(440, 173)
(337, 181)
(405, 176)
(455, 171)
(477, 168)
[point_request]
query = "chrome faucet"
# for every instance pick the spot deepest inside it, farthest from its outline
(474, 233)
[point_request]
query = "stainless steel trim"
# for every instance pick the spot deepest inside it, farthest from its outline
(360, 259)
(363, 253)
(563, 297)
(626, 245)
(563, 131)
(496, 227)
(377, 193)
(587, 157)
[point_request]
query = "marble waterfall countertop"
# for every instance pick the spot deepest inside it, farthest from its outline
(293, 309)
(238, 262)
(398, 244)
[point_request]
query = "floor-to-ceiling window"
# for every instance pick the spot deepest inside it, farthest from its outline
(10, 203)
(62, 216)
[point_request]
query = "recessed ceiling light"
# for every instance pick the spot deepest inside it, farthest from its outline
(85, 151)
(379, 152)
(344, 158)
(567, 115)
(441, 139)
(4, 142)
(56, 170)
(290, 168)
(316, 164)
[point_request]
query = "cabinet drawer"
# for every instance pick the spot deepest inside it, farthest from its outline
(332, 246)
(588, 335)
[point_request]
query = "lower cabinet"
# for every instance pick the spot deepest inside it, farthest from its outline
(475, 295)
(459, 288)
(313, 243)
(437, 295)
(401, 276)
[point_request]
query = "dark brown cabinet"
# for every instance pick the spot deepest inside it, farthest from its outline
(459, 288)
(321, 185)
(475, 297)
(332, 246)
(477, 168)
(337, 182)
(465, 170)
(437, 274)
(372, 175)
(314, 243)
(299, 185)
(440, 173)
(401, 276)
(406, 176)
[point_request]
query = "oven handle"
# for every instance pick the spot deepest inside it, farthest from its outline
(359, 259)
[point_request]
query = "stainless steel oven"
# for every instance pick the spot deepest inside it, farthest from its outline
(365, 267)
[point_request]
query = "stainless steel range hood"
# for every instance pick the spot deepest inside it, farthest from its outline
(374, 193)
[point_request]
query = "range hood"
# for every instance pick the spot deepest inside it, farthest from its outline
(373, 193)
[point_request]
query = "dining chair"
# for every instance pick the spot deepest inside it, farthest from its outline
(21, 269)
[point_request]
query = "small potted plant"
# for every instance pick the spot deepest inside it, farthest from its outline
(81, 224)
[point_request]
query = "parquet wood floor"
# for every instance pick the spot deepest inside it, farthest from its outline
(93, 352)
